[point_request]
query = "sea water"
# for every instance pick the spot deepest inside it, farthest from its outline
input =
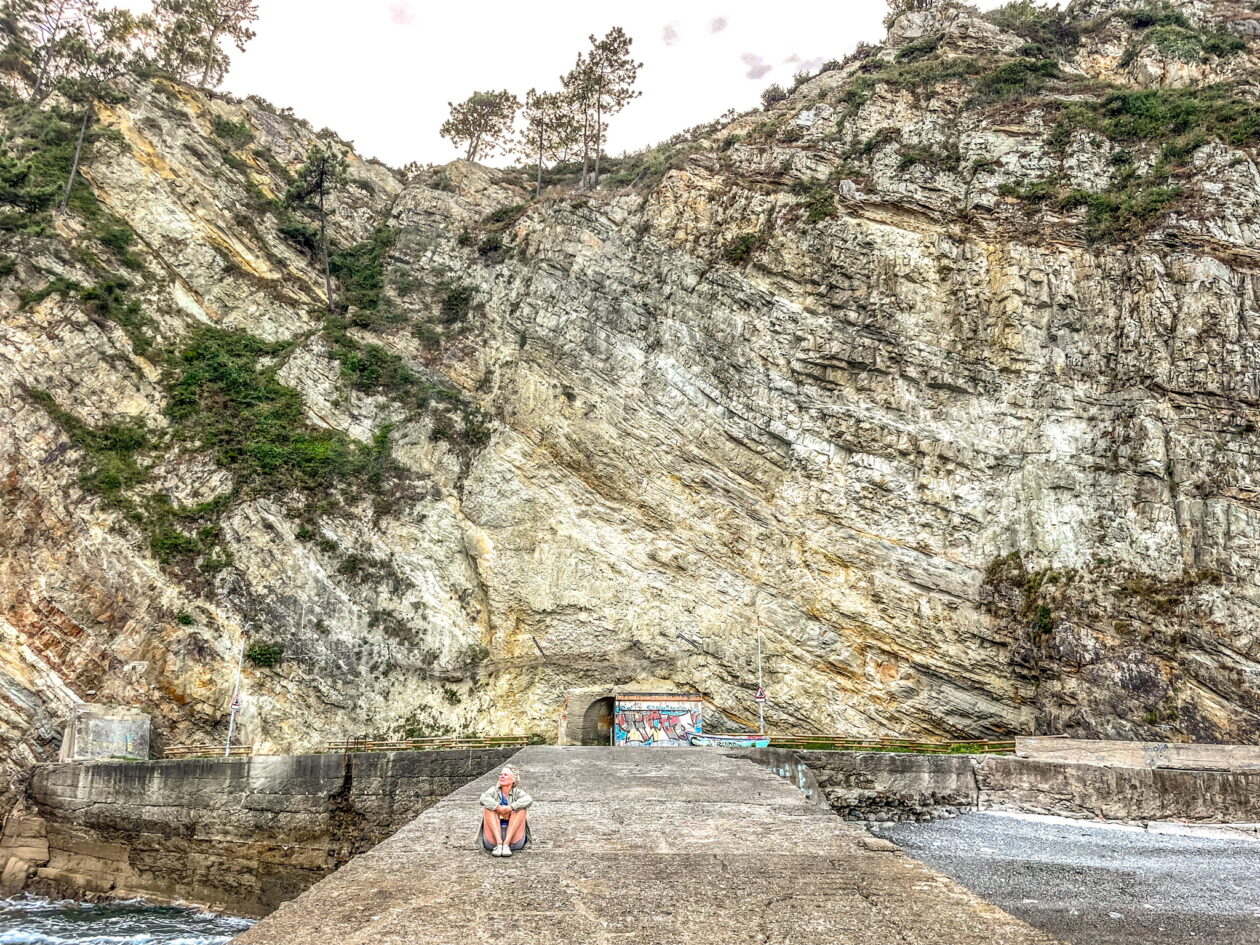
(29, 920)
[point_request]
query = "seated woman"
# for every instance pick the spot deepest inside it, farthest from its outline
(503, 828)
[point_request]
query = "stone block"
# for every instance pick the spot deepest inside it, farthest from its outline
(71, 880)
(13, 875)
(105, 731)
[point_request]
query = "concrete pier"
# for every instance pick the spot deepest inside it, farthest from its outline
(650, 847)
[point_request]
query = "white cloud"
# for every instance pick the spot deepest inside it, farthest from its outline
(757, 67)
(401, 13)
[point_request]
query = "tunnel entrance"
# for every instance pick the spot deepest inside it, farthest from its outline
(597, 722)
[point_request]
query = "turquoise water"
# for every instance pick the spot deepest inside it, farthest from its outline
(31, 921)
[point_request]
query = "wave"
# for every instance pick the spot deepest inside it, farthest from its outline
(30, 920)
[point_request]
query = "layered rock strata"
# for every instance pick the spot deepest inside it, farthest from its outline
(970, 461)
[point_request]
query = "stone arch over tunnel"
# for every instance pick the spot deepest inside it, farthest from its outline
(597, 722)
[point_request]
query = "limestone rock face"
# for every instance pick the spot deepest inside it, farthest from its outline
(967, 468)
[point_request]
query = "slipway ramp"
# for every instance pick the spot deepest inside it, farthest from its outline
(642, 847)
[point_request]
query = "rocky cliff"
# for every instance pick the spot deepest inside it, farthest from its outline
(941, 371)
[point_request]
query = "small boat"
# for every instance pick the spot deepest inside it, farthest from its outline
(730, 741)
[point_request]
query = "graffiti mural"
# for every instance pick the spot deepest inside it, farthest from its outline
(655, 719)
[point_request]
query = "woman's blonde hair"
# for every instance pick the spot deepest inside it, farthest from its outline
(515, 772)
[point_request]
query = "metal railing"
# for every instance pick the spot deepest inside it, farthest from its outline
(429, 744)
(915, 745)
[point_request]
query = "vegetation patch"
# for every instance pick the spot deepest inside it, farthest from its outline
(361, 272)
(820, 201)
(109, 299)
(372, 369)
(113, 450)
(457, 300)
(919, 49)
(1020, 77)
(235, 134)
(264, 654)
(222, 399)
(740, 250)
(1173, 122)
(945, 160)
(1047, 29)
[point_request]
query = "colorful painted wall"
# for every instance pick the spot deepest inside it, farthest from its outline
(656, 719)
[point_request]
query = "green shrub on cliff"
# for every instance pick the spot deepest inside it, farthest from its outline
(264, 654)
(820, 201)
(223, 399)
(235, 134)
(361, 271)
(112, 449)
(1018, 78)
(1046, 28)
(741, 248)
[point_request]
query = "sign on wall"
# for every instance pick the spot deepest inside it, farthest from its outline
(655, 719)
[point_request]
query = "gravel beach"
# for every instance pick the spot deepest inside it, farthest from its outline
(1093, 884)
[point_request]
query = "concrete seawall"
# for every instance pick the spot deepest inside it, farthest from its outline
(245, 835)
(239, 835)
(886, 786)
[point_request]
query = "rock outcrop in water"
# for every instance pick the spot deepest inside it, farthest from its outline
(941, 372)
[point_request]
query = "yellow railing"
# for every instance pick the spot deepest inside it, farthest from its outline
(916, 745)
(207, 751)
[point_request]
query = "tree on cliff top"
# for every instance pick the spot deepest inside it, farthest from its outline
(323, 174)
(38, 32)
(192, 34)
(482, 123)
(601, 83)
(551, 129)
(103, 46)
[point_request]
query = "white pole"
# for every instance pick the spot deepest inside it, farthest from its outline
(761, 710)
(761, 704)
(236, 698)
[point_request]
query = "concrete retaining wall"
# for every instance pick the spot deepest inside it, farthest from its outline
(877, 786)
(1115, 793)
(890, 786)
(1140, 754)
(241, 835)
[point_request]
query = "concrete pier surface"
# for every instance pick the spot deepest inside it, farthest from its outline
(642, 847)
(1101, 884)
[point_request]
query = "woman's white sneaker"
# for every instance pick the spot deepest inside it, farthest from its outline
(507, 850)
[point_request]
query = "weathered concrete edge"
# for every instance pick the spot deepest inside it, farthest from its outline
(889, 786)
(1129, 754)
(232, 835)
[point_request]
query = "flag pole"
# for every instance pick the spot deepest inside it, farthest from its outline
(236, 702)
(761, 710)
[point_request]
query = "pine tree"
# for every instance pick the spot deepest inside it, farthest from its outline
(37, 34)
(17, 53)
(600, 84)
(550, 129)
(579, 92)
(103, 47)
(614, 73)
(193, 33)
(482, 123)
(315, 184)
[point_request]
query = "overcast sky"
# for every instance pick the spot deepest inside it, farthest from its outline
(380, 72)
